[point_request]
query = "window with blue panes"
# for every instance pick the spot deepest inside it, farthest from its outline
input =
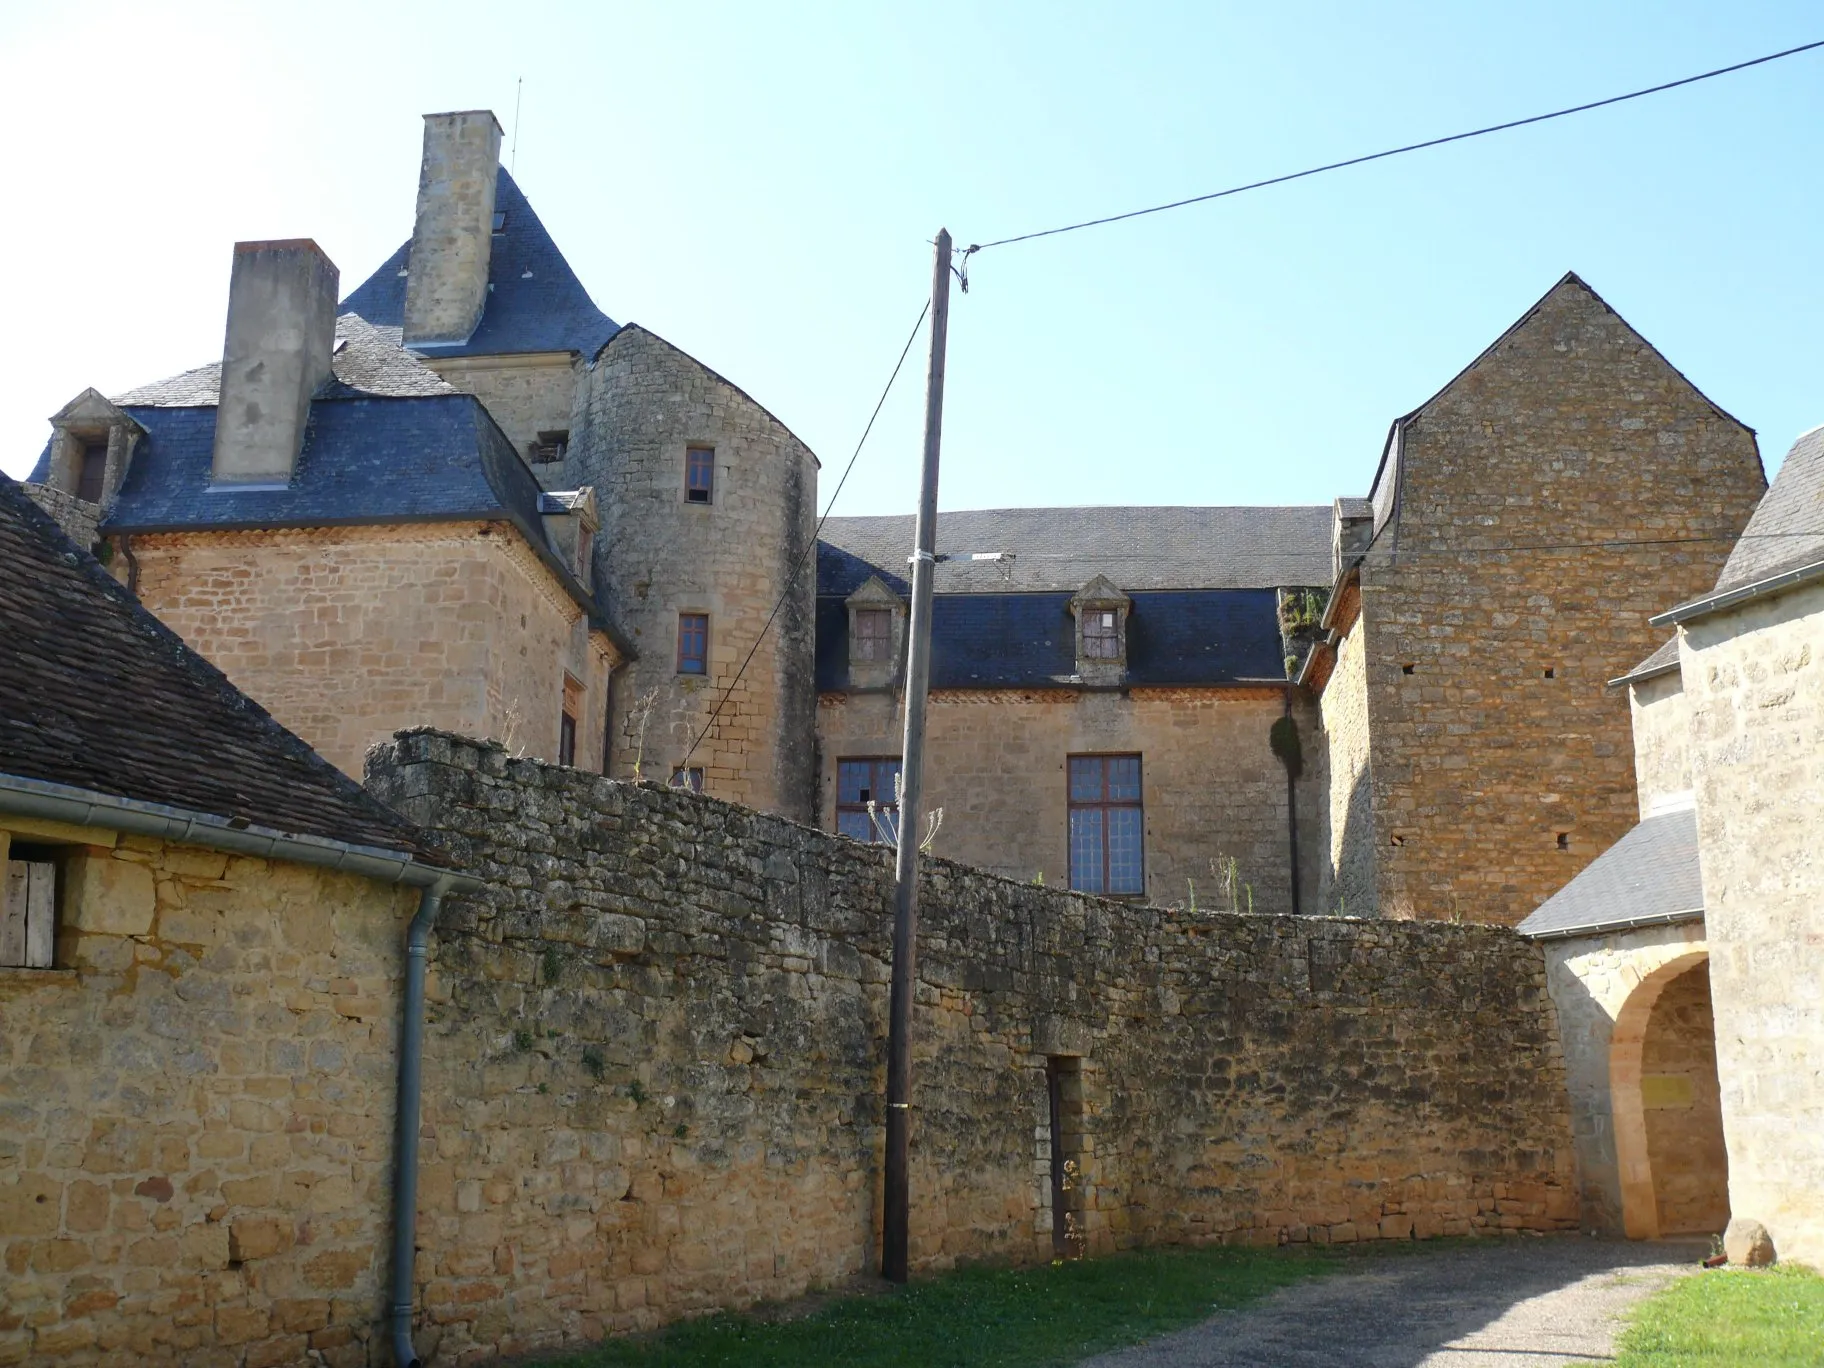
(1106, 825)
(860, 782)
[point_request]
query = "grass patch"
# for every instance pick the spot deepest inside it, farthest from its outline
(982, 1317)
(1729, 1318)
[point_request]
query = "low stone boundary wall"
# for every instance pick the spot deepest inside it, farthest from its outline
(654, 1068)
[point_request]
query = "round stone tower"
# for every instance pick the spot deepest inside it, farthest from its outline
(708, 507)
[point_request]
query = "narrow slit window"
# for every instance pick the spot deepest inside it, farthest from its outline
(1101, 634)
(693, 643)
(1106, 825)
(873, 634)
(699, 474)
(859, 783)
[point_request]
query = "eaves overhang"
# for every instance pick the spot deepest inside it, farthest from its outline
(1716, 603)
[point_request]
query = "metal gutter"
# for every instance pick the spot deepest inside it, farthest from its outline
(24, 797)
(1715, 603)
(1630, 924)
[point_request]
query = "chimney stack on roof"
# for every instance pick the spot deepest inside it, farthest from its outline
(446, 286)
(281, 333)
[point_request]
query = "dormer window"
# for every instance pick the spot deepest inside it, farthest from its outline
(500, 220)
(877, 633)
(699, 474)
(873, 634)
(92, 443)
(1101, 611)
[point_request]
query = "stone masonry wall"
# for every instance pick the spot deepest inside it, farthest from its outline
(997, 765)
(1679, 1100)
(642, 404)
(1755, 681)
(1661, 722)
(347, 634)
(525, 395)
(196, 1111)
(654, 1064)
(1566, 486)
(1346, 835)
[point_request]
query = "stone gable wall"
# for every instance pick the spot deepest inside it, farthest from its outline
(1754, 680)
(196, 1111)
(1570, 433)
(525, 395)
(347, 634)
(654, 1064)
(639, 407)
(1345, 837)
(997, 765)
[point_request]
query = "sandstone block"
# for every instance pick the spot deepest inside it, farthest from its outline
(1747, 1243)
(108, 896)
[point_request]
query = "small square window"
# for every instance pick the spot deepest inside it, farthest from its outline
(1101, 634)
(550, 448)
(699, 474)
(693, 643)
(28, 908)
(691, 778)
(860, 783)
(873, 634)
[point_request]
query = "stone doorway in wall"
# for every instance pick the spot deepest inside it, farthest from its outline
(1064, 1097)
(1667, 1106)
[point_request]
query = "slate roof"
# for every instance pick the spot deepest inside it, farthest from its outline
(535, 302)
(1650, 875)
(97, 694)
(368, 360)
(1787, 529)
(1062, 549)
(1662, 661)
(998, 641)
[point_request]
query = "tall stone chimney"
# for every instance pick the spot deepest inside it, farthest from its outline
(446, 287)
(281, 333)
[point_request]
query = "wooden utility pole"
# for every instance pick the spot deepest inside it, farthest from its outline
(896, 1222)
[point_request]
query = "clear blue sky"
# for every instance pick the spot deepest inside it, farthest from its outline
(759, 184)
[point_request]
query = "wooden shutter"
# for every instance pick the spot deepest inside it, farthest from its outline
(28, 914)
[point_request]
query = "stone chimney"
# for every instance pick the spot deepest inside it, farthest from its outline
(281, 333)
(446, 287)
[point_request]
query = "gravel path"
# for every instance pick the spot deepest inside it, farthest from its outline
(1512, 1303)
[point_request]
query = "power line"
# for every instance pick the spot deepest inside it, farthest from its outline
(811, 547)
(1390, 152)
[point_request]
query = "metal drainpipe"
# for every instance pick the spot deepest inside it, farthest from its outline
(405, 1181)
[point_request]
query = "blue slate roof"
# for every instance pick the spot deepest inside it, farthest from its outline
(1648, 877)
(365, 460)
(535, 302)
(1000, 641)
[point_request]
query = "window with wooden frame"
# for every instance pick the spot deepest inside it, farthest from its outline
(1106, 825)
(550, 448)
(860, 782)
(693, 643)
(566, 740)
(699, 474)
(28, 908)
(690, 777)
(873, 634)
(1101, 634)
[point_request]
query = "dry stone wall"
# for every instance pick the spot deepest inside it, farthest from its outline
(654, 1064)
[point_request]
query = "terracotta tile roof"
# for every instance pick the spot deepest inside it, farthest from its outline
(98, 695)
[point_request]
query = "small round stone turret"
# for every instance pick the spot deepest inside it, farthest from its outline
(708, 507)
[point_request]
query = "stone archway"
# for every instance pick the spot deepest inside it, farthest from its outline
(1666, 1105)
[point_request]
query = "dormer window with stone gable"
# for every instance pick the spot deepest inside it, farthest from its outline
(1101, 611)
(91, 442)
(877, 635)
